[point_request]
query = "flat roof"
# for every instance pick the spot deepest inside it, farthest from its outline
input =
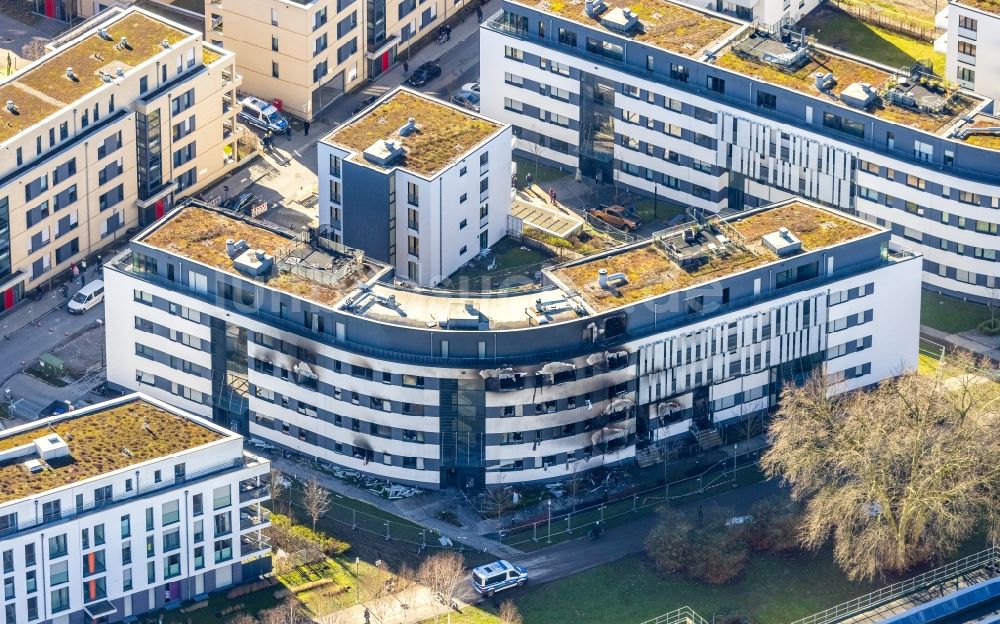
(989, 6)
(846, 71)
(102, 439)
(679, 260)
(664, 24)
(200, 233)
(44, 87)
(444, 132)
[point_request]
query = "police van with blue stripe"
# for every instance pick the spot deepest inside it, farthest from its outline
(498, 576)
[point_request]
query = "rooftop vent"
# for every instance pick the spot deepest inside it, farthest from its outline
(383, 152)
(594, 8)
(103, 34)
(120, 71)
(409, 128)
(235, 248)
(123, 44)
(858, 94)
(165, 43)
(10, 107)
(782, 242)
(253, 262)
(107, 77)
(33, 466)
(70, 74)
(620, 20)
(51, 446)
(824, 81)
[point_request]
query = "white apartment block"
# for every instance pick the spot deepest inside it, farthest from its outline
(318, 350)
(126, 113)
(416, 182)
(971, 44)
(122, 508)
(719, 115)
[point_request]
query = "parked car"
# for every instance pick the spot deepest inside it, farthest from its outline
(471, 86)
(615, 216)
(424, 74)
(498, 576)
(368, 101)
(263, 115)
(241, 202)
(468, 99)
(86, 298)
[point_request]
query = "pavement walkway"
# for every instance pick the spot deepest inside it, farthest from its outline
(987, 346)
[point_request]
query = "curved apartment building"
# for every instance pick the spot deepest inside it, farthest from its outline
(313, 347)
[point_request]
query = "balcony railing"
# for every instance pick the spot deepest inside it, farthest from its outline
(253, 544)
(254, 493)
(255, 520)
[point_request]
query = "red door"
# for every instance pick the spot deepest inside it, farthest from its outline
(50, 8)
(385, 60)
(8, 299)
(159, 208)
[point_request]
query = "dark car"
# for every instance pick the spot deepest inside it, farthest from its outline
(240, 203)
(424, 74)
(368, 101)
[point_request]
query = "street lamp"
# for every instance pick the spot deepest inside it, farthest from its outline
(357, 579)
(548, 539)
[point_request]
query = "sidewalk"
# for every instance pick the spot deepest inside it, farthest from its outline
(987, 346)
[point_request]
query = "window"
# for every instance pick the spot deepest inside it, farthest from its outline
(182, 102)
(36, 187)
(275, 70)
(412, 194)
(567, 37)
(127, 579)
(112, 197)
(966, 48)
(274, 43)
(767, 100)
(345, 51)
(869, 194)
(223, 550)
(59, 600)
(221, 497)
(968, 23)
(969, 197)
(64, 171)
(319, 71)
(52, 510)
(631, 91)
(171, 512)
(513, 53)
(848, 126)
(915, 182)
(513, 105)
(716, 84)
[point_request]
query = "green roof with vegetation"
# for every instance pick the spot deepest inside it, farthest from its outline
(100, 442)
(444, 132)
(46, 88)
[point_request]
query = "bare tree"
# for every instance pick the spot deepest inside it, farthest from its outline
(244, 618)
(896, 474)
(290, 611)
(509, 613)
(407, 592)
(275, 482)
(533, 148)
(574, 484)
(33, 50)
(499, 500)
(444, 574)
(317, 501)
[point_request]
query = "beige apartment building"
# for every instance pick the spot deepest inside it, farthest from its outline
(122, 117)
(308, 53)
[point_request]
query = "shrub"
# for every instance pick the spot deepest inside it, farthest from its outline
(295, 537)
(990, 327)
(708, 550)
(774, 525)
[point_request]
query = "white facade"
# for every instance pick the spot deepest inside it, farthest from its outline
(130, 541)
(948, 218)
(971, 45)
(436, 223)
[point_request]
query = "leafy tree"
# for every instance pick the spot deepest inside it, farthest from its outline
(896, 474)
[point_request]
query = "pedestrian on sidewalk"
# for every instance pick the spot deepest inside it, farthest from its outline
(288, 132)
(83, 266)
(447, 32)
(406, 68)
(552, 195)
(479, 14)
(76, 271)
(528, 179)
(83, 280)
(305, 127)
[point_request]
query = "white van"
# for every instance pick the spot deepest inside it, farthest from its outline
(87, 297)
(498, 576)
(264, 115)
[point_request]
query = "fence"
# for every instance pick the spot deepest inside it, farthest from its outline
(871, 15)
(986, 559)
(684, 615)
(726, 472)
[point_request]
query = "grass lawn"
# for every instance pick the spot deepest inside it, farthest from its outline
(843, 31)
(950, 315)
(665, 210)
(513, 264)
(543, 174)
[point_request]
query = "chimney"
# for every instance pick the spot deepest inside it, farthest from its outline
(230, 247)
(602, 278)
(69, 73)
(11, 107)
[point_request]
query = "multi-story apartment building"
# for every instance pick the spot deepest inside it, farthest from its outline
(418, 183)
(128, 113)
(306, 53)
(312, 347)
(715, 114)
(122, 508)
(970, 44)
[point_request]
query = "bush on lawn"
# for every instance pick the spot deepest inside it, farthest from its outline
(293, 538)
(774, 525)
(706, 549)
(990, 327)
